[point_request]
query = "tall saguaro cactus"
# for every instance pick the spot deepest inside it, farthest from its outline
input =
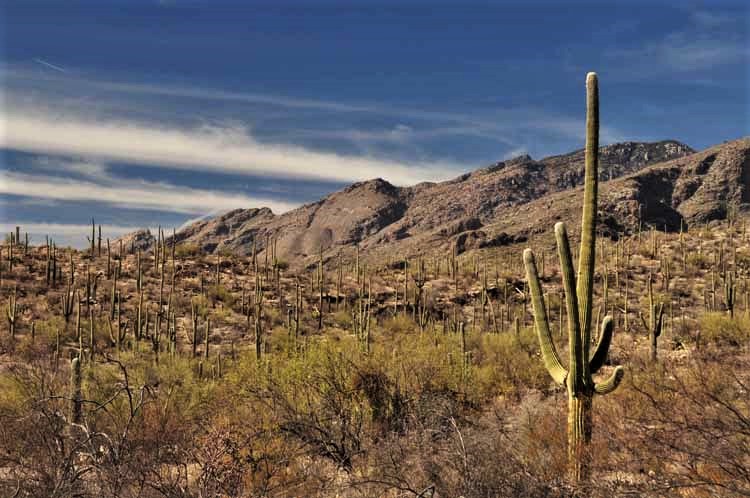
(577, 378)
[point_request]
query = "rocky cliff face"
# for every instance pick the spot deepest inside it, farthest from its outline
(663, 182)
(691, 189)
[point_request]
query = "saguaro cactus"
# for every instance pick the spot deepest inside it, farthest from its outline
(655, 319)
(258, 311)
(730, 293)
(577, 378)
(11, 313)
(76, 405)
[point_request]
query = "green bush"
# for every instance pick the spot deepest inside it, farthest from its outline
(721, 330)
(187, 250)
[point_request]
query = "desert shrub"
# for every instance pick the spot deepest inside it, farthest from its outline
(221, 294)
(280, 340)
(509, 364)
(698, 260)
(685, 429)
(397, 326)
(341, 319)
(282, 265)
(202, 305)
(187, 250)
(722, 330)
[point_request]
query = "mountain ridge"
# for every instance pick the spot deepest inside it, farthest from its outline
(498, 204)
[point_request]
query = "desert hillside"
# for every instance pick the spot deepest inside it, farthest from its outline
(663, 184)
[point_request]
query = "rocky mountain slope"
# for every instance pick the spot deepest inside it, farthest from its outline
(667, 182)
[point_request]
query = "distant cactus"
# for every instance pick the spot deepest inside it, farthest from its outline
(340, 277)
(76, 403)
(117, 336)
(578, 377)
(11, 312)
(138, 329)
(194, 321)
(138, 272)
(51, 267)
(730, 293)
(68, 299)
(420, 279)
(321, 283)
(361, 316)
(10, 253)
(92, 345)
(297, 306)
(92, 239)
(207, 338)
(656, 319)
(258, 311)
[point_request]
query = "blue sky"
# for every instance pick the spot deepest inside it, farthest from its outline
(155, 113)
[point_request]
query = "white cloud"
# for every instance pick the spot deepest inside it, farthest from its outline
(508, 126)
(206, 148)
(707, 40)
(708, 19)
(132, 194)
(94, 171)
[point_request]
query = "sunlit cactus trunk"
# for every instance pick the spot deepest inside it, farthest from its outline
(76, 410)
(579, 304)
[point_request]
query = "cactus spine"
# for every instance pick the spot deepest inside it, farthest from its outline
(579, 302)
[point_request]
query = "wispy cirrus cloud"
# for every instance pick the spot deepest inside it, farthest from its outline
(50, 65)
(683, 52)
(706, 40)
(228, 149)
(510, 127)
(133, 194)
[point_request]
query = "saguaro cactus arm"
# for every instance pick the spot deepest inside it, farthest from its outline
(549, 353)
(576, 378)
(611, 383)
(659, 320)
(602, 347)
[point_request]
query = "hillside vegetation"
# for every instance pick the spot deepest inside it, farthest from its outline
(231, 382)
